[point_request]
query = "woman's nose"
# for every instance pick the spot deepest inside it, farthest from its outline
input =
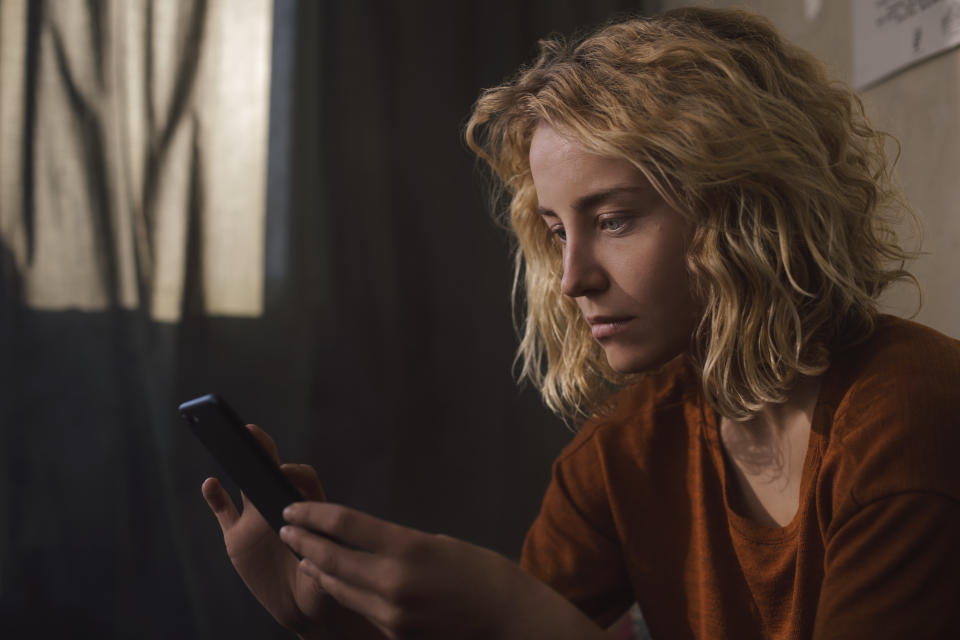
(582, 272)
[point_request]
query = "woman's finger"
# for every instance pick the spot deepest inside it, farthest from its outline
(368, 604)
(265, 441)
(353, 528)
(220, 503)
(305, 478)
(359, 568)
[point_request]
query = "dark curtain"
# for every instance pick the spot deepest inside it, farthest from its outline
(383, 356)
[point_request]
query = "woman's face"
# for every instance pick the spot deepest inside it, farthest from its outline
(623, 251)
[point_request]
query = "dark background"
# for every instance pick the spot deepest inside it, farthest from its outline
(383, 357)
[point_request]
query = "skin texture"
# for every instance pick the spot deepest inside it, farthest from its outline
(623, 251)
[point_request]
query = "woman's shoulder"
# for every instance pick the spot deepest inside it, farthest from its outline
(895, 413)
(900, 338)
(657, 400)
(902, 366)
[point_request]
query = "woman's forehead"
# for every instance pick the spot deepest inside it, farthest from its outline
(561, 164)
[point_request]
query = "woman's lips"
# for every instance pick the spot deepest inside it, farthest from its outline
(605, 327)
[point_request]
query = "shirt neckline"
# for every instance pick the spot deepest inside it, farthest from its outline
(743, 525)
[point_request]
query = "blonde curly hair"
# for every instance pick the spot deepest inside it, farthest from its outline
(786, 182)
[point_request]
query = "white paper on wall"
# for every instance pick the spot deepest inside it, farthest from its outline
(889, 35)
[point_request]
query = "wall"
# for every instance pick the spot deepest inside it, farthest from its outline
(919, 105)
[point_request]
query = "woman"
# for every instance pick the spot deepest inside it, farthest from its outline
(702, 237)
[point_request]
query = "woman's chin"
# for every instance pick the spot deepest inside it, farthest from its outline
(630, 361)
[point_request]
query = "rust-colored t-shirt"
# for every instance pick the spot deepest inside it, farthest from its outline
(641, 507)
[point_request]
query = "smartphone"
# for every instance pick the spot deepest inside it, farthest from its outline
(240, 455)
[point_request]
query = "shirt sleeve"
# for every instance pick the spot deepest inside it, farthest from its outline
(892, 570)
(572, 545)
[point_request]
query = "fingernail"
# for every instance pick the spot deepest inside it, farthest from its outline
(289, 512)
(285, 532)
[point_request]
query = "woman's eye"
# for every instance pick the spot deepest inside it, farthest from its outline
(613, 224)
(560, 233)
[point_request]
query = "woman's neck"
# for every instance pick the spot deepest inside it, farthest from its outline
(758, 445)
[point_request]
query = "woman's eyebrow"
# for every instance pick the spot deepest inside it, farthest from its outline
(592, 200)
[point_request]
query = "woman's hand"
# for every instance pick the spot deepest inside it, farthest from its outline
(411, 584)
(265, 564)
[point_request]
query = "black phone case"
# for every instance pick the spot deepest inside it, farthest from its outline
(227, 438)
